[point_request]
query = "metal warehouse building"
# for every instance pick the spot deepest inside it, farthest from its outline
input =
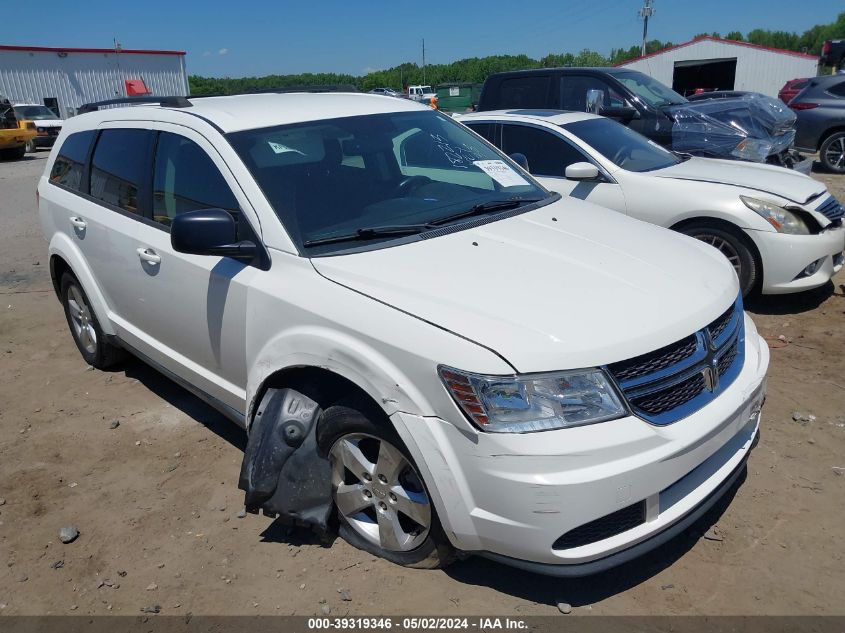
(65, 78)
(710, 63)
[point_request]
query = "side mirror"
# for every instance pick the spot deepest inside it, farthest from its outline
(582, 171)
(209, 232)
(623, 113)
(520, 159)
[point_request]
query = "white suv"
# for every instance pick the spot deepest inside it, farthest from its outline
(421, 340)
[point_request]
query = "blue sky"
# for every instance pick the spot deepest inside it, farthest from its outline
(262, 36)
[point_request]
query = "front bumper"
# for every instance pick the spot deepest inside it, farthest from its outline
(784, 258)
(512, 496)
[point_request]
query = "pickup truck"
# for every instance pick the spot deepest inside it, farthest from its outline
(833, 53)
(13, 136)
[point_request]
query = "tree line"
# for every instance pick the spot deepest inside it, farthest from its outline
(476, 69)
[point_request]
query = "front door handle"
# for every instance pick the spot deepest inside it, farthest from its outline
(79, 223)
(148, 255)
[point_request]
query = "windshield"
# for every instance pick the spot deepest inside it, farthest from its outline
(373, 177)
(34, 113)
(649, 90)
(621, 145)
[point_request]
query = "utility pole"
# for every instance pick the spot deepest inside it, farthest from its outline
(645, 13)
(423, 46)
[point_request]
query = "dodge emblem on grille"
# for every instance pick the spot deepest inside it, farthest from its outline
(710, 374)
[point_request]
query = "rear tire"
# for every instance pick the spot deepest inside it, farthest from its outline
(732, 246)
(360, 450)
(832, 153)
(30, 147)
(84, 327)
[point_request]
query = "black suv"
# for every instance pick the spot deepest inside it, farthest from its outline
(654, 110)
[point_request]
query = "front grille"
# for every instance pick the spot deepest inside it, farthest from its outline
(670, 398)
(654, 361)
(673, 382)
(831, 209)
(718, 326)
(605, 527)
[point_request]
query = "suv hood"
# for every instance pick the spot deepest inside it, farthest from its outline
(589, 288)
(786, 183)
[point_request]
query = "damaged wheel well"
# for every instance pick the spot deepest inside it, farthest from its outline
(323, 386)
(58, 267)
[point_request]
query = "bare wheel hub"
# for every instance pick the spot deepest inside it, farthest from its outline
(82, 322)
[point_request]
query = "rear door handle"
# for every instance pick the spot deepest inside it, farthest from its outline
(78, 222)
(148, 255)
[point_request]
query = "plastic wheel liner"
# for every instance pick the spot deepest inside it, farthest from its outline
(283, 473)
(751, 127)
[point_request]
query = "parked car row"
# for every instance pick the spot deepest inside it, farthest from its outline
(25, 127)
(456, 357)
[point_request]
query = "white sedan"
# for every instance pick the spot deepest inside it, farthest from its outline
(780, 229)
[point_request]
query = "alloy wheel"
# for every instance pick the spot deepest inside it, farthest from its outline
(81, 320)
(726, 248)
(379, 492)
(834, 154)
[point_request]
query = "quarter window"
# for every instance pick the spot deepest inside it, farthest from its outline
(547, 154)
(70, 163)
(524, 92)
(838, 89)
(118, 167)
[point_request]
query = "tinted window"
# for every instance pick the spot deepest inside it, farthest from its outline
(547, 154)
(487, 130)
(119, 167)
(524, 92)
(649, 90)
(626, 148)
(838, 89)
(70, 163)
(573, 93)
(186, 179)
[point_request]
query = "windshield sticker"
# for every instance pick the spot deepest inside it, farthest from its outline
(501, 172)
(278, 148)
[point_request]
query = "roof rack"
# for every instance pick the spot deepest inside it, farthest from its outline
(166, 102)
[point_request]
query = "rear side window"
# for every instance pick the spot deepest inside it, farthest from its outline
(119, 167)
(838, 89)
(547, 154)
(487, 130)
(524, 92)
(70, 163)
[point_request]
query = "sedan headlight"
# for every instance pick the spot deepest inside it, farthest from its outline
(538, 402)
(784, 220)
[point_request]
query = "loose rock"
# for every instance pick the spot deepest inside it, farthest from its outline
(152, 609)
(58, 564)
(667, 586)
(23, 578)
(344, 595)
(325, 609)
(802, 416)
(564, 607)
(68, 534)
(241, 513)
(114, 424)
(2, 502)
(713, 534)
(152, 586)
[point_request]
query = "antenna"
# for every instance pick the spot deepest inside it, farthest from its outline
(645, 13)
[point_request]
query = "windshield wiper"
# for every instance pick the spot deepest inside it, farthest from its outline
(485, 207)
(368, 233)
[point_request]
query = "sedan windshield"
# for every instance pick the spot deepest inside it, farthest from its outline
(621, 145)
(354, 181)
(649, 90)
(34, 113)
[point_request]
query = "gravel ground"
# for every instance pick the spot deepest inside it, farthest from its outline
(155, 500)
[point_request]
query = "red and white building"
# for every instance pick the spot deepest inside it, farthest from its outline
(711, 63)
(65, 78)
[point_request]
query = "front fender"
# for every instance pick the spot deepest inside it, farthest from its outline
(344, 355)
(63, 246)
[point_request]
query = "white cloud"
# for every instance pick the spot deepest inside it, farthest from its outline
(223, 51)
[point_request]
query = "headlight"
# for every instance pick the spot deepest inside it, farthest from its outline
(784, 220)
(538, 402)
(752, 149)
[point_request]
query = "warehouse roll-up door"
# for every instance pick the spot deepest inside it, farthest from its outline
(704, 75)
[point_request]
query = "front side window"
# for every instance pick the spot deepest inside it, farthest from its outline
(344, 177)
(547, 154)
(621, 145)
(574, 89)
(119, 167)
(649, 90)
(70, 162)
